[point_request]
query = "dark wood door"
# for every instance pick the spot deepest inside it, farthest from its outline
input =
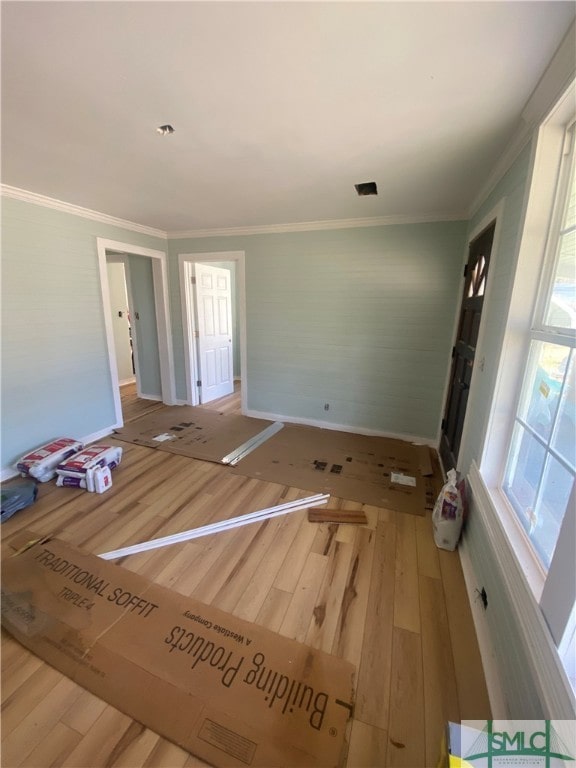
(463, 353)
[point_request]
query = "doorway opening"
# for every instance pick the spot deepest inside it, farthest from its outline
(214, 326)
(146, 295)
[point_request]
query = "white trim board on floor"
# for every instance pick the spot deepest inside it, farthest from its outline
(224, 525)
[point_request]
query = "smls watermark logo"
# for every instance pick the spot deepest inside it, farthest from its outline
(522, 743)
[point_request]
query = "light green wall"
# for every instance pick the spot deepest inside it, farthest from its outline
(55, 372)
(361, 319)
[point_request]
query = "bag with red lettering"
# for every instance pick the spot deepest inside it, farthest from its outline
(42, 462)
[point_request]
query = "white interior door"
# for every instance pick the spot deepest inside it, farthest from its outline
(214, 318)
(120, 322)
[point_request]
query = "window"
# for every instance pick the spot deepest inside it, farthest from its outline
(541, 465)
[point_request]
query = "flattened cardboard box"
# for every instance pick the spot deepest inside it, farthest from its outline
(194, 432)
(231, 692)
(372, 470)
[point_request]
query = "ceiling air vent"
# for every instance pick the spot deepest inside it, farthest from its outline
(368, 188)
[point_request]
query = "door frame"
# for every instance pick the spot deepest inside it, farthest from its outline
(494, 216)
(185, 262)
(161, 304)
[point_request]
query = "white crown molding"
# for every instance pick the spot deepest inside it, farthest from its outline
(556, 80)
(60, 205)
(263, 229)
(309, 226)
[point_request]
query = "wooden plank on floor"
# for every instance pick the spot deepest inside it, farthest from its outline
(439, 679)
(326, 613)
(406, 596)
(322, 515)
(368, 746)
(406, 743)
(84, 713)
(350, 632)
(470, 680)
(256, 591)
(294, 561)
(37, 724)
(52, 750)
(167, 755)
(427, 552)
(374, 674)
(99, 744)
(300, 610)
(273, 610)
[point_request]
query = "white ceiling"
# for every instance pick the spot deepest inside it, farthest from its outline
(279, 108)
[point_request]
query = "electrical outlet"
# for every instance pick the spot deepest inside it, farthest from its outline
(483, 597)
(326, 406)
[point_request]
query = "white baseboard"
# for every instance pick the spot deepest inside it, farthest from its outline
(341, 427)
(8, 473)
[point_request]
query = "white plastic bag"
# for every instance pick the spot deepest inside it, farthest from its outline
(448, 514)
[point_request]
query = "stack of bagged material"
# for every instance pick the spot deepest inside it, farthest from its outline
(17, 497)
(90, 469)
(42, 462)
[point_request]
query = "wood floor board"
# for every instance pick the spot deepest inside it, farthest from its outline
(374, 674)
(439, 679)
(349, 635)
(135, 746)
(37, 724)
(16, 674)
(379, 595)
(168, 755)
(53, 749)
(33, 690)
(273, 610)
(368, 746)
(296, 557)
(427, 552)
(298, 616)
(330, 600)
(246, 569)
(254, 594)
(82, 715)
(406, 729)
(99, 745)
(406, 595)
(470, 680)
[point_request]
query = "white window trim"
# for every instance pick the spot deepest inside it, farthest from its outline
(530, 271)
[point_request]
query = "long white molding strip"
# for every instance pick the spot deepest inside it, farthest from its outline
(254, 442)
(225, 525)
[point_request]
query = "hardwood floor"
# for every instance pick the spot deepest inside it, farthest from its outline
(380, 595)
